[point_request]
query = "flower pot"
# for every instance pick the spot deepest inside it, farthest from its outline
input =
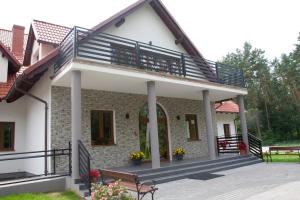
(179, 157)
(137, 162)
(243, 152)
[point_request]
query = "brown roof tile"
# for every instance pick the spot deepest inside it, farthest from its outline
(49, 33)
(5, 87)
(227, 107)
(6, 39)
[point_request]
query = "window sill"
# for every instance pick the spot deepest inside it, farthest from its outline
(193, 140)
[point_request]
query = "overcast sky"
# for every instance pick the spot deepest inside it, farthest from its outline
(215, 26)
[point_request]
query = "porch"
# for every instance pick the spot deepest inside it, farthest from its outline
(97, 66)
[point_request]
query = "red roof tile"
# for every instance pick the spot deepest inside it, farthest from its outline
(227, 107)
(6, 39)
(48, 32)
(5, 87)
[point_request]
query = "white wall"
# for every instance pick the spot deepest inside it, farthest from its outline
(40, 51)
(145, 25)
(224, 118)
(3, 69)
(14, 112)
(45, 49)
(35, 129)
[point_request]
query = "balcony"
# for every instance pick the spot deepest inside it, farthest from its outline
(104, 48)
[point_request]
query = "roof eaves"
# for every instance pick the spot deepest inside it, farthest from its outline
(30, 76)
(10, 57)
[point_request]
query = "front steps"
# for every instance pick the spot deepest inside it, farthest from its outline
(185, 170)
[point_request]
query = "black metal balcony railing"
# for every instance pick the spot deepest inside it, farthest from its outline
(105, 48)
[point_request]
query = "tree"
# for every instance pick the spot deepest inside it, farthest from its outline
(257, 77)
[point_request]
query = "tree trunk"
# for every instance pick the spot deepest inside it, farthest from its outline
(257, 125)
(267, 115)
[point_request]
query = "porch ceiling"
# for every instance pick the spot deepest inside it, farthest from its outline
(120, 79)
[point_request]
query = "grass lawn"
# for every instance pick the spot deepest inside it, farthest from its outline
(284, 158)
(68, 195)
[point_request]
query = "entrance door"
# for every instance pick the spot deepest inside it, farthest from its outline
(226, 130)
(144, 133)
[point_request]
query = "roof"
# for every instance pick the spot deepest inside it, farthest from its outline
(5, 87)
(165, 16)
(6, 40)
(9, 55)
(49, 33)
(227, 107)
(28, 76)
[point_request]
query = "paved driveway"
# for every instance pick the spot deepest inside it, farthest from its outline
(257, 182)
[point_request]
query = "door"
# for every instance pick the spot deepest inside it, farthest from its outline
(144, 133)
(226, 130)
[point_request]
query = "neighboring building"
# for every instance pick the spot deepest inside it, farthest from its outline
(226, 115)
(97, 85)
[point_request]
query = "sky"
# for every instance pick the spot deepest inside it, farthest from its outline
(216, 27)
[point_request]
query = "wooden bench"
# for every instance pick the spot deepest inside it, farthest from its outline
(281, 148)
(130, 181)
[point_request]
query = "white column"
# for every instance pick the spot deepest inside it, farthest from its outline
(209, 125)
(155, 157)
(76, 120)
(240, 99)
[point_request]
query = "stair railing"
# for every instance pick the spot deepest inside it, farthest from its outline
(84, 165)
(255, 146)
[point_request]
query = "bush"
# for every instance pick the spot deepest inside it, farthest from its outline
(113, 191)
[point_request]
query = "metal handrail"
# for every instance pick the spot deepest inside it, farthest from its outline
(53, 153)
(84, 165)
(90, 44)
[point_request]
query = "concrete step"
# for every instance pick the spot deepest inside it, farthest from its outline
(183, 164)
(193, 168)
(164, 179)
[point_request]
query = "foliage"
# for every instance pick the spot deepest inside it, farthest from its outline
(179, 151)
(113, 191)
(273, 100)
(242, 146)
(94, 174)
(137, 155)
(68, 195)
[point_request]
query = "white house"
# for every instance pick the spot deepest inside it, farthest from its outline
(226, 115)
(107, 86)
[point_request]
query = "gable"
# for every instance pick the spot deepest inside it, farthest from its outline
(145, 25)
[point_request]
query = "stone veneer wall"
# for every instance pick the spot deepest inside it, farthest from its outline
(126, 130)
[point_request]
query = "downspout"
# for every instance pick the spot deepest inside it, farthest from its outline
(46, 124)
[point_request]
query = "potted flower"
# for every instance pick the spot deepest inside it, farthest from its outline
(137, 157)
(179, 153)
(94, 175)
(243, 148)
(223, 144)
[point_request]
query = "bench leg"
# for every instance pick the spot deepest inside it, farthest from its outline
(152, 195)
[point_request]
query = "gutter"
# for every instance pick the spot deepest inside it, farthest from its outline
(46, 120)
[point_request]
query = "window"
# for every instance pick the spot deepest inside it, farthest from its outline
(102, 131)
(226, 130)
(191, 120)
(7, 134)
